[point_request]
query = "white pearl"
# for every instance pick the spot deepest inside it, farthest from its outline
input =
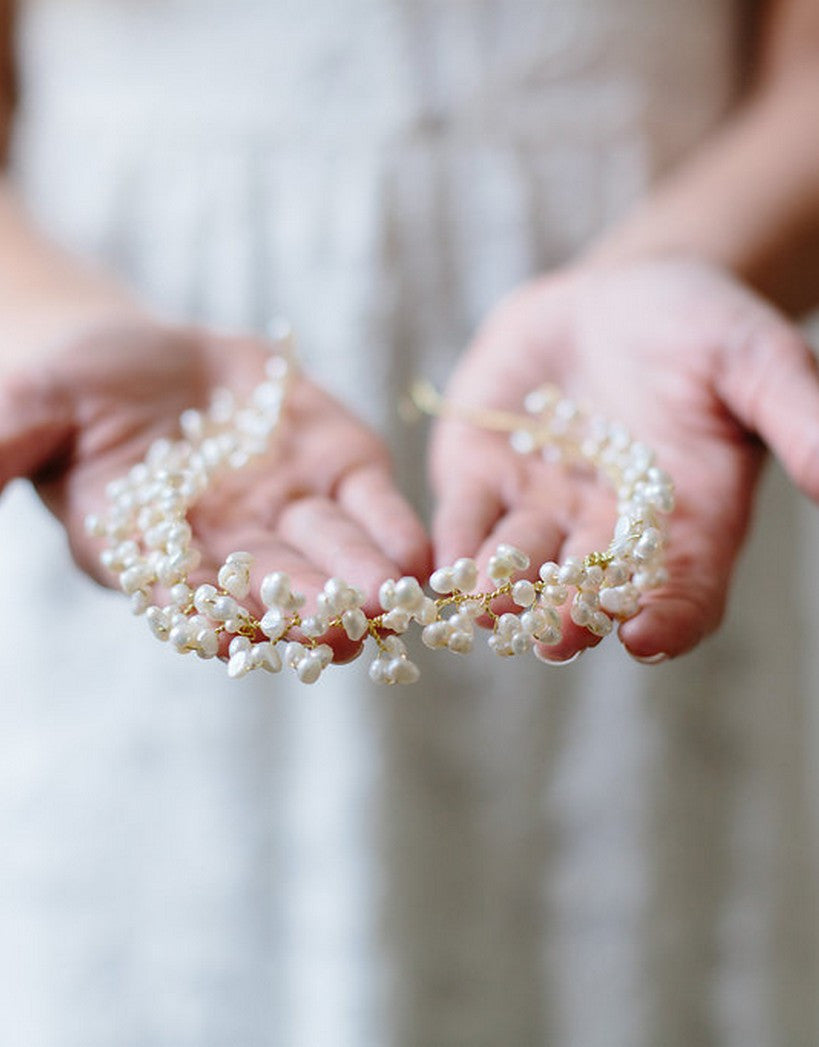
(465, 574)
(234, 581)
(461, 623)
(523, 593)
(135, 578)
(268, 657)
(397, 619)
(442, 580)
(386, 594)
(203, 598)
(393, 646)
(158, 622)
(617, 572)
(580, 614)
(571, 572)
(340, 597)
(499, 646)
(611, 600)
(274, 624)
(551, 636)
(275, 589)
(499, 569)
(516, 557)
(309, 668)
(556, 595)
(427, 612)
(207, 643)
(592, 578)
(239, 665)
(460, 642)
(181, 594)
(379, 671)
(179, 534)
(179, 636)
(314, 626)
(224, 607)
(293, 654)
(354, 623)
(324, 653)
(435, 635)
(521, 643)
(508, 624)
(238, 643)
(240, 557)
(600, 624)
(408, 593)
(549, 572)
(403, 671)
(648, 544)
(473, 608)
(532, 622)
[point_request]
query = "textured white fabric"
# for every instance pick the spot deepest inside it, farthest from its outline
(600, 856)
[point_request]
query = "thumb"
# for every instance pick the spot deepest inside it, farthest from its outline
(770, 383)
(35, 424)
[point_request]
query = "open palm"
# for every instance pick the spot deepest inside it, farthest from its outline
(320, 503)
(695, 365)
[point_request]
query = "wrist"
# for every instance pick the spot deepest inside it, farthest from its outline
(31, 338)
(41, 385)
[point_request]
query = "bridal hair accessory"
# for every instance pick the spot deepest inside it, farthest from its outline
(150, 545)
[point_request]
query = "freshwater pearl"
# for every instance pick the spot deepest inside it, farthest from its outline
(275, 589)
(309, 668)
(354, 623)
(408, 594)
(442, 581)
(149, 543)
(524, 593)
(465, 574)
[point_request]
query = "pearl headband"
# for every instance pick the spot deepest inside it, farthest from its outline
(150, 546)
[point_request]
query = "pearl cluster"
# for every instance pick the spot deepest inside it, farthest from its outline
(150, 547)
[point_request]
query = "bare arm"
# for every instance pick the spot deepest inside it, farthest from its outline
(749, 199)
(45, 295)
(89, 376)
(653, 327)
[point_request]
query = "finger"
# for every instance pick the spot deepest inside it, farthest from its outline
(770, 383)
(532, 529)
(468, 468)
(466, 512)
(369, 498)
(320, 531)
(591, 533)
(273, 553)
(691, 604)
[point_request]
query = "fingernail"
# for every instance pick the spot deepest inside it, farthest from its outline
(649, 659)
(557, 662)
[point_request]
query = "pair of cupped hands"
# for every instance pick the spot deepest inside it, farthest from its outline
(694, 364)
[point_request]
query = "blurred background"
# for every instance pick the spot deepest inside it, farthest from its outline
(594, 856)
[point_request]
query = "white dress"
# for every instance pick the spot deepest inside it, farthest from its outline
(599, 856)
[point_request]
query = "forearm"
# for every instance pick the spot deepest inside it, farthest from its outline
(46, 296)
(748, 200)
(49, 301)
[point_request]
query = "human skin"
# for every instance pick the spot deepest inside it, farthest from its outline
(84, 381)
(669, 324)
